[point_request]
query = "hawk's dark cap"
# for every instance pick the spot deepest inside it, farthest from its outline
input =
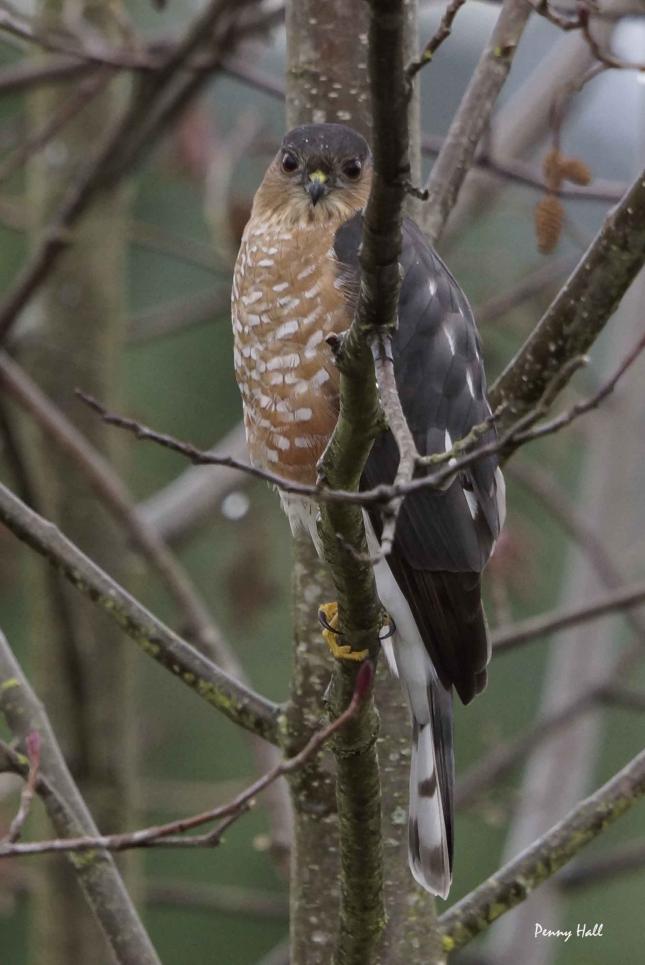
(326, 141)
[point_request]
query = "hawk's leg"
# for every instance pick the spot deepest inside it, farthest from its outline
(328, 616)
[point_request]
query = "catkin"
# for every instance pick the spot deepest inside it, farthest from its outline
(575, 170)
(549, 217)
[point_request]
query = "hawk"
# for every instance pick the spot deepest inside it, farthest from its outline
(295, 283)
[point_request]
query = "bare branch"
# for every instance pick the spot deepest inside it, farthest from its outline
(238, 703)
(114, 494)
(32, 745)
(604, 57)
(614, 695)
(199, 624)
(516, 880)
(97, 875)
(151, 108)
(576, 525)
(530, 285)
(442, 33)
(504, 756)
(507, 638)
(397, 423)
(26, 75)
(224, 899)
(619, 861)
(176, 509)
(507, 754)
(458, 152)
(580, 408)
(178, 316)
(581, 309)
(166, 834)
(367, 419)
(87, 89)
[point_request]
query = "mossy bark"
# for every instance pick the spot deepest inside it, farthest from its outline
(327, 81)
(314, 859)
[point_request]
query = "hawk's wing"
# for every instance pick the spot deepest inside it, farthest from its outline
(443, 538)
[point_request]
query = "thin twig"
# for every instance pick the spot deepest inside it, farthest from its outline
(543, 486)
(581, 308)
(218, 27)
(398, 426)
(518, 433)
(603, 56)
(458, 152)
(491, 767)
(621, 860)
(161, 834)
(508, 638)
(442, 33)
(97, 874)
(249, 903)
(26, 75)
(87, 89)
(239, 703)
(580, 408)
(32, 745)
(114, 494)
(513, 169)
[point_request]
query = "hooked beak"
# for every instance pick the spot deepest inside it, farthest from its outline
(316, 186)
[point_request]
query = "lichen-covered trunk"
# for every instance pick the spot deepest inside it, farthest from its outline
(327, 81)
(314, 857)
(69, 336)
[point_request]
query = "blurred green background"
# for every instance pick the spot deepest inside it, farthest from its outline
(182, 382)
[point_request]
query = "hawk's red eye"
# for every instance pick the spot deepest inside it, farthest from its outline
(289, 162)
(352, 169)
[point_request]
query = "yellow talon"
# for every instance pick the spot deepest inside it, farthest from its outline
(328, 613)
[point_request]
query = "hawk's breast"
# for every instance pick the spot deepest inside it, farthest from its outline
(286, 299)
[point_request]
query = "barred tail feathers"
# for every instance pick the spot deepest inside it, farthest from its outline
(430, 818)
(432, 767)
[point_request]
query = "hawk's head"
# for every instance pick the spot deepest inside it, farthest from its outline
(322, 172)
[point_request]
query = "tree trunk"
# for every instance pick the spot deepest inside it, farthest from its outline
(327, 82)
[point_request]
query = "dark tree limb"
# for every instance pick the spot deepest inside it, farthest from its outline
(113, 493)
(238, 703)
(171, 833)
(153, 105)
(510, 637)
(514, 882)
(97, 874)
(199, 625)
(581, 309)
(458, 152)
(605, 867)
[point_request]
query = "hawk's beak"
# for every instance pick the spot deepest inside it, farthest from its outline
(316, 186)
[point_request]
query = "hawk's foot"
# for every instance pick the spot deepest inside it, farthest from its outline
(328, 616)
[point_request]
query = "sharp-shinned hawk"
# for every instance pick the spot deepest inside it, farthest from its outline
(296, 282)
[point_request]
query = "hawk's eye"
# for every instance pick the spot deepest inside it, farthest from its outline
(289, 162)
(352, 168)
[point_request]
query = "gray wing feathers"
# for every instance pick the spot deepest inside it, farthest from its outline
(443, 537)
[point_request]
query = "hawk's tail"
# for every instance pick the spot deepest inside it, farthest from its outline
(431, 794)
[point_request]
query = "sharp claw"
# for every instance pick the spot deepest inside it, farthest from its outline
(328, 617)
